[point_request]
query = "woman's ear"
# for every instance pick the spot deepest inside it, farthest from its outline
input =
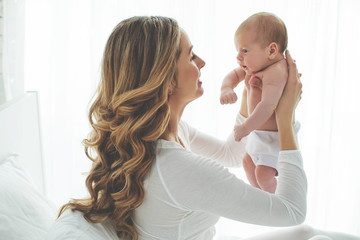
(273, 50)
(172, 87)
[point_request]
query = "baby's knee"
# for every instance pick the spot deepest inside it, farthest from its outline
(265, 173)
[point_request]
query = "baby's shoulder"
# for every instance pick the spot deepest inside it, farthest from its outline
(276, 71)
(279, 66)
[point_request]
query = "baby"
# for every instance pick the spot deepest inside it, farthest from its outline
(260, 42)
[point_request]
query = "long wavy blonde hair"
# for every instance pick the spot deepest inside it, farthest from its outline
(129, 114)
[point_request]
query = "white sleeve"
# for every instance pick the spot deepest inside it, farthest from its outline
(230, 153)
(197, 183)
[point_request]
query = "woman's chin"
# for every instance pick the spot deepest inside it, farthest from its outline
(201, 91)
(200, 88)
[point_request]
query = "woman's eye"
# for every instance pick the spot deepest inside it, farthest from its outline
(193, 57)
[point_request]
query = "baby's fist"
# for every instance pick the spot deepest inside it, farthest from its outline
(228, 96)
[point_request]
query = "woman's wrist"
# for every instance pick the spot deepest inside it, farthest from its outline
(287, 136)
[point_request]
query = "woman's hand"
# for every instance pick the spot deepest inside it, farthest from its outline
(243, 108)
(287, 105)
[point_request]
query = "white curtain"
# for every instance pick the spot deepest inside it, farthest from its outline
(64, 41)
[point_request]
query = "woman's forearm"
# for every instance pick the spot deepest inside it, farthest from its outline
(287, 136)
(286, 107)
(243, 108)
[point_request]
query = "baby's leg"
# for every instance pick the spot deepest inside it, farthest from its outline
(265, 177)
(249, 168)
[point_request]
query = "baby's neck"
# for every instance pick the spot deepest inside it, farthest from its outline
(276, 59)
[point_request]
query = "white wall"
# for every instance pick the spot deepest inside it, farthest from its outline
(2, 89)
(12, 71)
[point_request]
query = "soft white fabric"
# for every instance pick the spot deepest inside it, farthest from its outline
(72, 225)
(264, 146)
(302, 232)
(24, 212)
(188, 189)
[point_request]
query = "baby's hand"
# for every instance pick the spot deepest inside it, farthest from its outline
(228, 96)
(239, 132)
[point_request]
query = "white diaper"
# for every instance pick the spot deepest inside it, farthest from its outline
(263, 146)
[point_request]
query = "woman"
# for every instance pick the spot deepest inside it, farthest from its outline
(154, 176)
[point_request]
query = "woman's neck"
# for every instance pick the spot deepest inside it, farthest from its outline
(171, 133)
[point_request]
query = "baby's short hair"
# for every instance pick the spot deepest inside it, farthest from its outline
(269, 27)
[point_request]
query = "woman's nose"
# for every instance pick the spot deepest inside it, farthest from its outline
(201, 63)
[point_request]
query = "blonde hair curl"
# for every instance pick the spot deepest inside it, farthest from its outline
(129, 114)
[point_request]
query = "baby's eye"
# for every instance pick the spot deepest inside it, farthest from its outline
(244, 50)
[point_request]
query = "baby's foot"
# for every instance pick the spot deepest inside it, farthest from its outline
(239, 132)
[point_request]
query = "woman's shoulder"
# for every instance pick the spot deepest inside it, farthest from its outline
(73, 225)
(185, 129)
(175, 159)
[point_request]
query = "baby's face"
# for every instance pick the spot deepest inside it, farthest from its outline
(252, 57)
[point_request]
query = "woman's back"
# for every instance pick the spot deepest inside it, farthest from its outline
(161, 216)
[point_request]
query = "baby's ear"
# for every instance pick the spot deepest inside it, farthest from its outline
(273, 50)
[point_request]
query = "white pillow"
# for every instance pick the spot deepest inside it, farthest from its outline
(24, 212)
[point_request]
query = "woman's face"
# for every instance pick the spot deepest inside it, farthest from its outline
(188, 85)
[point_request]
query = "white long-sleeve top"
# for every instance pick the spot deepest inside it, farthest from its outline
(187, 190)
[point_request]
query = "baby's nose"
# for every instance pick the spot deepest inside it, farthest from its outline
(239, 57)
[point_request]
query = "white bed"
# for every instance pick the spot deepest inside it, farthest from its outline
(25, 213)
(20, 134)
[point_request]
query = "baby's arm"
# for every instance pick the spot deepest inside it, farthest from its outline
(274, 80)
(230, 81)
